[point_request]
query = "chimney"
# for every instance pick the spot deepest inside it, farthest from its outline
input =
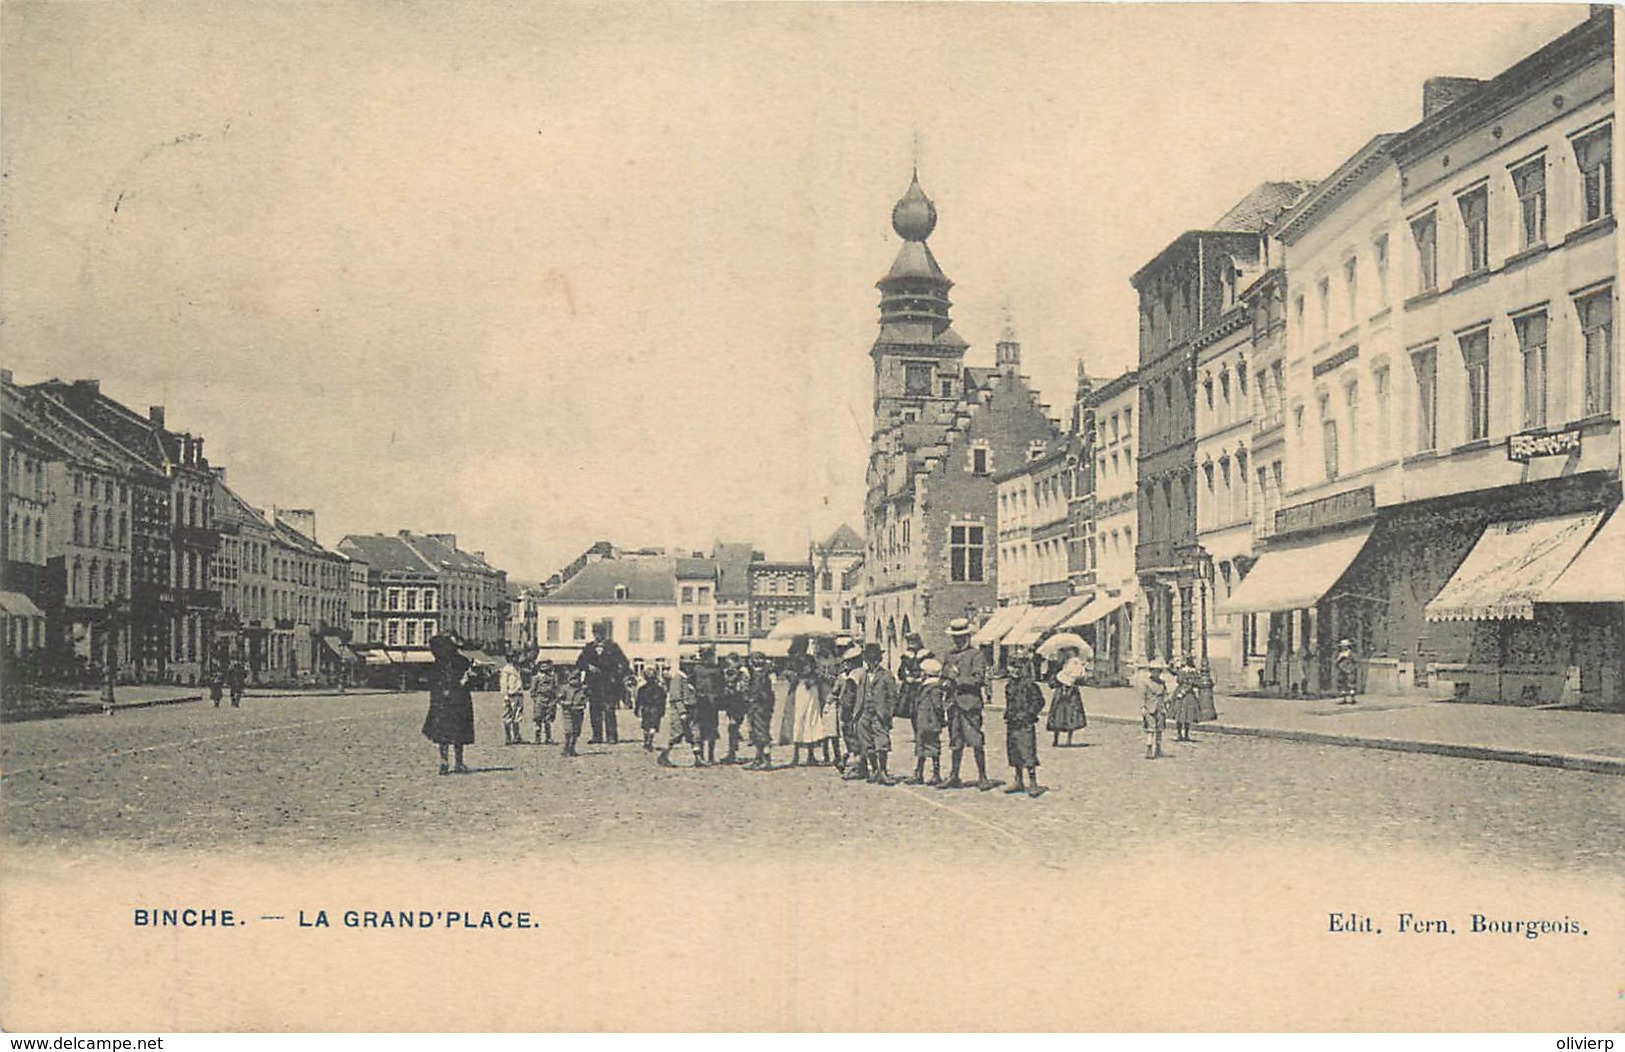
(5, 377)
(88, 388)
(197, 451)
(219, 473)
(448, 539)
(155, 414)
(301, 519)
(1440, 93)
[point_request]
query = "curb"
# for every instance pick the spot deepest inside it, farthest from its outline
(1564, 761)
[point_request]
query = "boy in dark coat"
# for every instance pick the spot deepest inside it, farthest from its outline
(708, 689)
(1023, 702)
(759, 696)
(573, 703)
(544, 701)
(651, 705)
(735, 683)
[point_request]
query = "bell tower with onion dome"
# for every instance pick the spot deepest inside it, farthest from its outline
(918, 357)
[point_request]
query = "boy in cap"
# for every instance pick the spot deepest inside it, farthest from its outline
(543, 701)
(512, 686)
(1348, 673)
(965, 672)
(1154, 712)
(708, 690)
(876, 702)
(683, 727)
(844, 699)
(759, 696)
(1023, 702)
(735, 681)
(651, 704)
(930, 715)
(573, 703)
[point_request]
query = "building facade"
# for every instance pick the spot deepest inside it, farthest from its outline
(837, 581)
(1114, 405)
(941, 432)
(635, 598)
(778, 590)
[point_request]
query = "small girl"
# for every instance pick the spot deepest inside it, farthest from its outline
(651, 705)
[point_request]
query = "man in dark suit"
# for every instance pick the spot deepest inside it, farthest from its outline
(606, 667)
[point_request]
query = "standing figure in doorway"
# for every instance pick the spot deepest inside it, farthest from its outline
(1348, 673)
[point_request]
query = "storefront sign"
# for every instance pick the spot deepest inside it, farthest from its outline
(1354, 506)
(1525, 447)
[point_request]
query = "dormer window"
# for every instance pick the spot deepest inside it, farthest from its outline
(620, 591)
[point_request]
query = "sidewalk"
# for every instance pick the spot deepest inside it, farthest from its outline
(148, 695)
(1579, 741)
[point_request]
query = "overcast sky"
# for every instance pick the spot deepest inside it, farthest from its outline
(542, 275)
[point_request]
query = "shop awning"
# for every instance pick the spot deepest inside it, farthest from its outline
(412, 657)
(1511, 567)
(1030, 628)
(1003, 619)
(1103, 606)
(1073, 609)
(376, 657)
(1597, 574)
(16, 604)
(1295, 577)
(342, 652)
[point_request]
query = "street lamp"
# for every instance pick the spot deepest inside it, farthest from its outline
(110, 619)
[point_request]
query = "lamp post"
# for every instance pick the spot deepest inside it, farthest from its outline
(110, 619)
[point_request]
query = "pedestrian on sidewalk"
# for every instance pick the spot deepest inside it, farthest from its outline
(1023, 703)
(965, 670)
(237, 682)
(573, 701)
(511, 684)
(1154, 712)
(1186, 708)
(759, 696)
(217, 687)
(651, 705)
(1066, 703)
(544, 701)
(450, 722)
(1348, 673)
(930, 715)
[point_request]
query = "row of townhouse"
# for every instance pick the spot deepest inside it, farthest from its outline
(1389, 412)
(417, 586)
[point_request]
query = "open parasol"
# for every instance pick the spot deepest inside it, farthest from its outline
(1061, 640)
(803, 625)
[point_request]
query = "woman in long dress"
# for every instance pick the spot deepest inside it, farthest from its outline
(1066, 703)
(450, 722)
(806, 705)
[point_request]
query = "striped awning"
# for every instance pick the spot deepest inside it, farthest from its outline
(16, 604)
(1102, 606)
(1031, 628)
(1295, 576)
(1511, 567)
(1003, 619)
(1597, 574)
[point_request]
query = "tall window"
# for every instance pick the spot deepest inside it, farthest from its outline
(411, 633)
(1379, 395)
(1425, 232)
(979, 460)
(1379, 255)
(1351, 401)
(659, 633)
(634, 630)
(394, 599)
(1597, 328)
(1323, 291)
(1531, 330)
(1328, 436)
(412, 599)
(1475, 225)
(917, 379)
(965, 552)
(1351, 288)
(1594, 153)
(1530, 182)
(578, 630)
(1475, 356)
(1425, 366)
(705, 624)
(688, 625)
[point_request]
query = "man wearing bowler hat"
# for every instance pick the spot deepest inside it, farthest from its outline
(606, 669)
(964, 670)
(876, 703)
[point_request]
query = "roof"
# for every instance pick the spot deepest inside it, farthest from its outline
(733, 569)
(1263, 205)
(135, 433)
(645, 580)
(919, 334)
(387, 554)
(696, 569)
(1349, 174)
(1112, 388)
(51, 423)
(844, 539)
(1590, 40)
(444, 555)
(914, 260)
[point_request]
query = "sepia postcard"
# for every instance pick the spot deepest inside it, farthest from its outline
(810, 517)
